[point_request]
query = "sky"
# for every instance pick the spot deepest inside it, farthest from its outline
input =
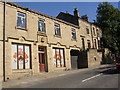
(54, 8)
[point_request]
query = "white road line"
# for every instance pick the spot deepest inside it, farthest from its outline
(91, 77)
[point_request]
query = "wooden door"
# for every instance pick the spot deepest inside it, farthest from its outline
(42, 62)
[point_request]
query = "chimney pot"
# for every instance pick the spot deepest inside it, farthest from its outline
(76, 12)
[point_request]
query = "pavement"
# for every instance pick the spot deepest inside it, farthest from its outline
(43, 76)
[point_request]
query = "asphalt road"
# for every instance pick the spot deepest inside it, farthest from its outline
(96, 78)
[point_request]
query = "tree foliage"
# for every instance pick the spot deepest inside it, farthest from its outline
(108, 19)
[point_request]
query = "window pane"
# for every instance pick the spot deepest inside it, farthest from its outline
(58, 57)
(54, 58)
(20, 56)
(87, 30)
(62, 57)
(95, 46)
(83, 43)
(21, 21)
(57, 29)
(27, 57)
(41, 25)
(73, 34)
(14, 56)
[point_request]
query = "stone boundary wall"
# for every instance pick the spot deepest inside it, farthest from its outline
(94, 57)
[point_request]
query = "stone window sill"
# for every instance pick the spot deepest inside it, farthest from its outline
(21, 28)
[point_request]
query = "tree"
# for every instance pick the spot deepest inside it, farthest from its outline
(108, 19)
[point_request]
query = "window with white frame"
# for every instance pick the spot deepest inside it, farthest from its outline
(21, 20)
(21, 56)
(73, 34)
(57, 29)
(41, 25)
(58, 57)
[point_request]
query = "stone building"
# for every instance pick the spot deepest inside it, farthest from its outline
(36, 43)
(1, 42)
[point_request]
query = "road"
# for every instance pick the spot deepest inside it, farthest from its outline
(95, 78)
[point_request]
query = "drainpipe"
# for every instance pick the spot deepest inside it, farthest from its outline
(4, 28)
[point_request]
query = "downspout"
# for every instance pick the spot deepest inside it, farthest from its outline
(4, 28)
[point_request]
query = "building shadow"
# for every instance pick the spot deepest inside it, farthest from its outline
(110, 71)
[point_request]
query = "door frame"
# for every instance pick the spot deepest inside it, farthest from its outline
(45, 53)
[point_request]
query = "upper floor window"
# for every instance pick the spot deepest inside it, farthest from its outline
(73, 34)
(83, 44)
(97, 32)
(57, 29)
(41, 25)
(21, 20)
(94, 32)
(87, 30)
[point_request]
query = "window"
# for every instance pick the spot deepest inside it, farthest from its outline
(88, 42)
(83, 44)
(21, 20)
(95, 45)
(97, 32)
(57, 29)
(58, 57)
(99, 44)
(73, 34)
(21, 56)
(87, 30)
(41, 25)
(94, 32)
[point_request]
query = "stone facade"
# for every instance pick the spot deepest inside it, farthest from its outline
(1, 42)
(94, 57)
(36, 44)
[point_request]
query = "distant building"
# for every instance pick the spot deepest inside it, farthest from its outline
(36, 43)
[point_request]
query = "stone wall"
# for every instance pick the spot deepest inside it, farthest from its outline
(94, 57)
(108, 57)
(1, 42)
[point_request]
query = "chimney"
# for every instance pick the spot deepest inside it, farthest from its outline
(85, 17)
(76, 12)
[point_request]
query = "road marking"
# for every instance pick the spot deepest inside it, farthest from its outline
(91, 77)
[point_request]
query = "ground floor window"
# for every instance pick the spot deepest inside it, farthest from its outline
(88, 42)
(21, 56)
(58, 57)
(95, 45)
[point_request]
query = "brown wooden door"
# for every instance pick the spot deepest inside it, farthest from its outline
(42, 62)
